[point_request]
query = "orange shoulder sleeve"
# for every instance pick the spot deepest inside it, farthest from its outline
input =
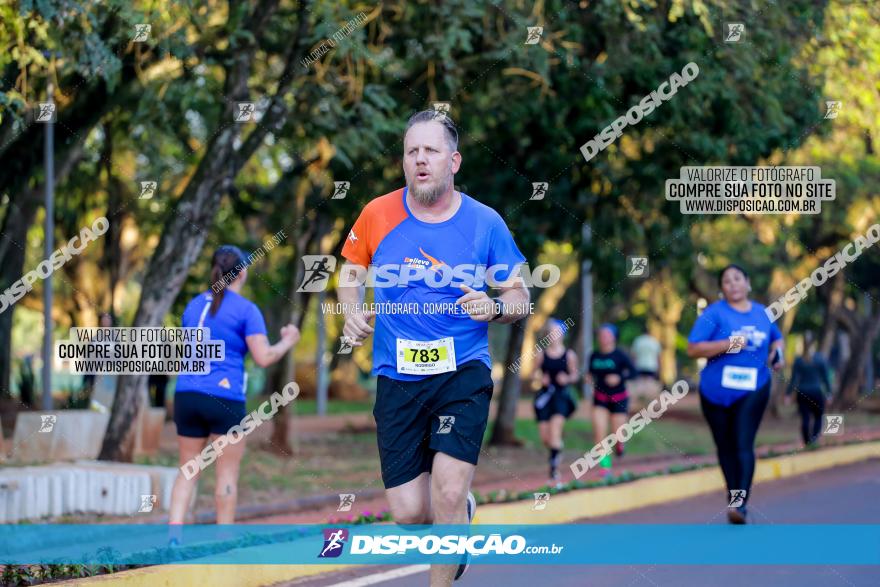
(377, 219)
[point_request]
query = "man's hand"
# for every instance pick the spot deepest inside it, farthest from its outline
(477, 304)
(562, 378)
(357, 327)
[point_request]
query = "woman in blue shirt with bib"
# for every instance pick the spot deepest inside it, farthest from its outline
(741, 345)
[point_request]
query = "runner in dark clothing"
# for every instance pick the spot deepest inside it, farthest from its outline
(556, 368)
(609, 368)
(811, 377)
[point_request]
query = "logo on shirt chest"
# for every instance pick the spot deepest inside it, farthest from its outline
(429, 262)
(603, 364)
(754, 338)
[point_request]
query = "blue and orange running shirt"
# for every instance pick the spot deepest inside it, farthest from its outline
(387, 234)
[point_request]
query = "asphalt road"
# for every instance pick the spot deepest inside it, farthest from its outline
(843, 495)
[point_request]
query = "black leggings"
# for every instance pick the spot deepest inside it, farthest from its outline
(734, 428)
(811, 404)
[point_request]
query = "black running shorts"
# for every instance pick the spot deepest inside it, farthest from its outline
(552, 401)
(198, 414)
(447, 413)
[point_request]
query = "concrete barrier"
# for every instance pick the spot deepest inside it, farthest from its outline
(33, 493)
(58, 435)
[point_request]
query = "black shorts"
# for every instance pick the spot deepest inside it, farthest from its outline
(447, 413)
(558, 402)
(198, 414)
(621, 406)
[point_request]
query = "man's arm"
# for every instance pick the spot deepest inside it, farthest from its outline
(357, 326)
(514, 303)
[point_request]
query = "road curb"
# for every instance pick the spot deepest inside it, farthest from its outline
(562, 508)
(207, 575)
(592, 503)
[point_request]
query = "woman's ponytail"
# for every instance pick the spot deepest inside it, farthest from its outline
(226, 264)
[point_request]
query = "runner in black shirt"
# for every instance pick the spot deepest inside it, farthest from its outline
(609, 368)
(556, 367)
(811, 377)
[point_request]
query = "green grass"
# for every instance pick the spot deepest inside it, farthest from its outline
(660, 437)
(309, 407)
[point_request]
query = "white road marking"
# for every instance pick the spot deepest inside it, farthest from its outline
(382, 577)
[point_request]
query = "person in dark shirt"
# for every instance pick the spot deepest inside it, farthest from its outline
(811, 377)
(556, 368)
(608, 370)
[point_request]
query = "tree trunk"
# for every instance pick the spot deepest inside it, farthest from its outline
(503, 433)
(863, 332)
(280, 440)
(184, 234)
(14, 232)
(833, 302)
(16, 221)
(664, 315)
(17, 173)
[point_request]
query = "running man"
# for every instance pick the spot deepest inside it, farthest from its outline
(735, 383)
(609, 368)
(434, 380)
(209, 405)
(556, 368)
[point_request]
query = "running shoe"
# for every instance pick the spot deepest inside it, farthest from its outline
(471, 511)
(737, 515)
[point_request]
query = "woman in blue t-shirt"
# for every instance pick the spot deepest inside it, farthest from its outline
(211, 404)
(741, 344)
